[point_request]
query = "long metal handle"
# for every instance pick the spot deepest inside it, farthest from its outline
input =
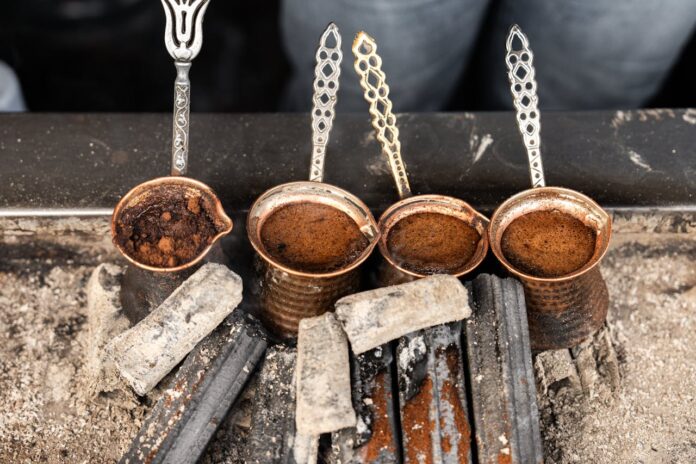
(368, 65)
(180, 125)
(524, 96)
(183, 37)
(326, 79)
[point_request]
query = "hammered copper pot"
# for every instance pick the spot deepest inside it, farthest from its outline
(390, 271)
(289, 295)
(145, 287)
(561, 311)
(368, 65)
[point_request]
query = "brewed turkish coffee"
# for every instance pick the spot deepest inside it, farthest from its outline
(170, 228)
(312, 237)
(548, 243)
(432, 243)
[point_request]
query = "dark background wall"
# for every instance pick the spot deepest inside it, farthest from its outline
(108, 55)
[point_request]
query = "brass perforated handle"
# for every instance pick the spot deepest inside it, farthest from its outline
(523, 86)
(326, 80)
(183, 36)
(368, 65)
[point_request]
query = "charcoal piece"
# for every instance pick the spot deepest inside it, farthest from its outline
(149, 350)
(106, 320)
(506, 418)
(306, 448)
(432, 396)
(201, 393)
(273, 415)
(323, 377)
(376, 317)
(375, 439)
(555, 370)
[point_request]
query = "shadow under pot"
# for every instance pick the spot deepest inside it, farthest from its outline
(166, 228)
(553, 239)
(430, 234)
(310, 239)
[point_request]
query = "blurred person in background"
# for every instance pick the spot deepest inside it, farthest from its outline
(109, 55)
(589, 54)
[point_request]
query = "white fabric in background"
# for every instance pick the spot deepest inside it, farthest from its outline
(10, 91)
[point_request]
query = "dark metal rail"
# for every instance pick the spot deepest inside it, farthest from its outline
(639, 159)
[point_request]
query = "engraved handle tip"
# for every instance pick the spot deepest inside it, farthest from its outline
(519, 60)
(363, 41)
(368, 65)
(183, 34)
(183, 37)
(327, 73)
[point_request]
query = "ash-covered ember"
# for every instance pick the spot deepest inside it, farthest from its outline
(105, 320)
(149, 350)
(369, 369)
(432, 396)
(375, 438)
(273, 416)
(411, 358)
(323, 377)
(200, 394)
(376, 317)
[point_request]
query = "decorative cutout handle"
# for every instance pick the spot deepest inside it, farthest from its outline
(326, 80)
(183, 36)
(368, 65)
(523, 86)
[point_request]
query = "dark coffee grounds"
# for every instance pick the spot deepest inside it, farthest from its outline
(548, 243)
(166, 231)
(312, 237)
(432, 243)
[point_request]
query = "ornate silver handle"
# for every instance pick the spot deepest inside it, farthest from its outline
(326, 79)
(183, 36)
(368, 65)
(524, 96)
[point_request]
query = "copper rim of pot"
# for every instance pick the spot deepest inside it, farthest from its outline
(311, 192)
(141, 192)
(434, 204)
(560, 199)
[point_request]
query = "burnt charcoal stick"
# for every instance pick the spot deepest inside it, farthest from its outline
(376, 317)
(323, 377)
(148, 351)
(306, 448)
(323, 384)
(503, 391)
(105, 321)
(375, 439)
(204, 388)
(432, 396)
(273, 415)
